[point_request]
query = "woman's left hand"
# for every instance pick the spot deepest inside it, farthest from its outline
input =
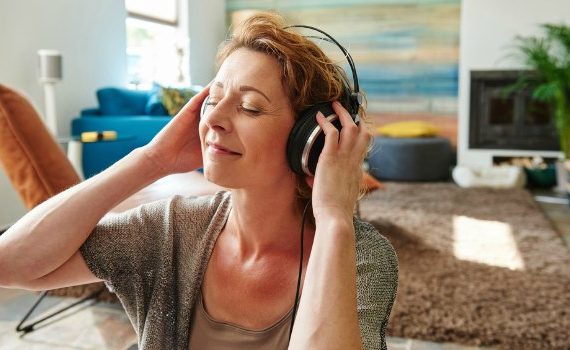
(339, 169)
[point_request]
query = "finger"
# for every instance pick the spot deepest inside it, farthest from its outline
(331, 134)
(195, 103)
(349, 131)
(344, 116)
(364, 140)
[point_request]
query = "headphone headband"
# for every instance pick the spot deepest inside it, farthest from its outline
(347, 55)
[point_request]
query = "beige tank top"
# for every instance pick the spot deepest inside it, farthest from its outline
(208, 334)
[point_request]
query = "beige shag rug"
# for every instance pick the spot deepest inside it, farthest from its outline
(477, 266)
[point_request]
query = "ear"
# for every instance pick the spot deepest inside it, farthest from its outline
(310, 181)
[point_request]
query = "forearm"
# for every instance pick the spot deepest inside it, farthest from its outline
(327, 316)
(52, 232)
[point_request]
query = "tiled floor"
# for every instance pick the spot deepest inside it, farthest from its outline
(104, 326)
(86, 326)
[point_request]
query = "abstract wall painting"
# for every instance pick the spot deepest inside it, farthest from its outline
(406, 51)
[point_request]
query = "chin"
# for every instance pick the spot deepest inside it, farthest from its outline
(221, 177)
(233, 176)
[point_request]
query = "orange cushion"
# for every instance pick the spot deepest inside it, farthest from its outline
(369, 183)
(31, 158)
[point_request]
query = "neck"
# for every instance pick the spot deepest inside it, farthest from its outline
(266, 221)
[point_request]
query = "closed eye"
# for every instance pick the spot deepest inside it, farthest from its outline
(253, 112)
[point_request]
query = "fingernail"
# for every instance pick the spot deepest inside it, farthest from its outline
(320, 114)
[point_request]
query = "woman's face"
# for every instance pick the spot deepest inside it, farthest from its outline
(246, 124)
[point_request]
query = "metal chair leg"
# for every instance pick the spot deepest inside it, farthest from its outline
(30, 328)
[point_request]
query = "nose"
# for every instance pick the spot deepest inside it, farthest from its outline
(217, 117)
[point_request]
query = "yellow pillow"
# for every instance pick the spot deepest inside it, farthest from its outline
(407, 129)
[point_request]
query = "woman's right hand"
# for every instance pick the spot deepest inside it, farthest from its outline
(176, 148)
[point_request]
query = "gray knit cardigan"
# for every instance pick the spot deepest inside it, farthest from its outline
(154, 258)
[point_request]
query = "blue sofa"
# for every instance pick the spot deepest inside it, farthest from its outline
(135, 115)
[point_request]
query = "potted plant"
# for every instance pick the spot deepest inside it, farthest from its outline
(549, 57)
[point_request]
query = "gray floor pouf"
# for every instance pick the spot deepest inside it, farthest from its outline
(410, 159)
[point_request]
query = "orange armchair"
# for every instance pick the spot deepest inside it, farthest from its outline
(38, 168)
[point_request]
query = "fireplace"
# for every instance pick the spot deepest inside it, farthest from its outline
(515, 121)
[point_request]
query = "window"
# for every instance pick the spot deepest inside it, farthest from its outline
(157, 45)
(165, 11)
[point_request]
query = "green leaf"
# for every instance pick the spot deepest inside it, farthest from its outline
(546, 92)
(549, 57)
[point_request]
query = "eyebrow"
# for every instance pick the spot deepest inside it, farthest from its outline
(245, 88)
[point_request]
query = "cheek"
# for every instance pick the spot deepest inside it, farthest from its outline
(269, 148)
(202, 130)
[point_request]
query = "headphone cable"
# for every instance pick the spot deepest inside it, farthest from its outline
(296, 303)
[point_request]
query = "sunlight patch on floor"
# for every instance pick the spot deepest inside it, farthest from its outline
(487, 242)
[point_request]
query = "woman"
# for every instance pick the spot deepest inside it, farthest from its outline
(220, 272)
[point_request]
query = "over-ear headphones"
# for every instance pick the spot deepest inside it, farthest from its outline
(306, 140)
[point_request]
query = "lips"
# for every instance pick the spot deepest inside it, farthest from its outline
(217, 148)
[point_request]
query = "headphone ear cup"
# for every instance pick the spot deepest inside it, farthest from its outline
(351, 101)
(204, 106)
(306, 140)
(297, 140)
(355, 103)
(347, 100)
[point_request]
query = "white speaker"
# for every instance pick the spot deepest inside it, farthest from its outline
(49, 73)
(50, 66)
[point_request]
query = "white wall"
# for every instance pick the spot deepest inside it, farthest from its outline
(12, 206)
(207, 29)
(487, 29)
(91, 37)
